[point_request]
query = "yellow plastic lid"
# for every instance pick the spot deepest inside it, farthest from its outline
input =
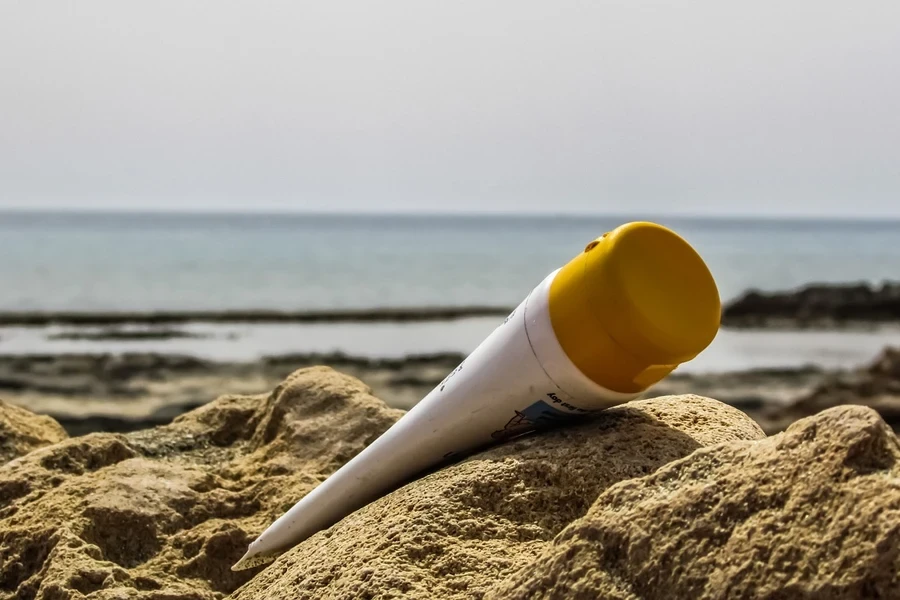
(634, 305)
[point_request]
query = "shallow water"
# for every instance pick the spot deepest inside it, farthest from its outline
(731, 350)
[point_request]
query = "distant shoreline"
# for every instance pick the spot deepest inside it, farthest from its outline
(124, 392)
(814, 306)
(368, 315)
(151, 319)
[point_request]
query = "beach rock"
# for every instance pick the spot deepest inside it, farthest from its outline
(812, 513)
(124, 335)
(876, 385)
(678, 496)
(164, 513)
(816, 305)
(121, 393)
(22, 431)
(457, 531)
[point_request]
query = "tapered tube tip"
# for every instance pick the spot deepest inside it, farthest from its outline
(251, 560)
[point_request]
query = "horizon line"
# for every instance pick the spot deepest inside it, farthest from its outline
(638, 215)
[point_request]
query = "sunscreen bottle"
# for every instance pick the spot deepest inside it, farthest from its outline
(597, 332)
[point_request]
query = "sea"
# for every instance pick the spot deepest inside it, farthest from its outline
(105, 261)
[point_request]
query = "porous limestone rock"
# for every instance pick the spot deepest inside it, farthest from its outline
(22, 431)
(672, 497)
(164, 513)
(457, 531)
(811, 513)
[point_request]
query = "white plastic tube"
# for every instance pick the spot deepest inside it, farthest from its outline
(530, 382)
(518, 379)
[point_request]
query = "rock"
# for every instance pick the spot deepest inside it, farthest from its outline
(669, 497)
(812, 513)
(455, 532)
(159, 318)
(123, 423)
(125, 335)
(22, 431)
(121, 393)
(816, 305)
(876, 385)
(164, 513)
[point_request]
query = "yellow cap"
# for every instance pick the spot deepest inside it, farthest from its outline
(634, 305)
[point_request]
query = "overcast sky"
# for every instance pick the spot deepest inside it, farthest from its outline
(759, 108)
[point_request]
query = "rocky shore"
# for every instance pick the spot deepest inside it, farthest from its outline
(876, 385)
(675, 496)
(126, 392)
(816, 306)
(113, 318)
(131, 391)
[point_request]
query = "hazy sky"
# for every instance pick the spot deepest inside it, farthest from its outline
(604, 107)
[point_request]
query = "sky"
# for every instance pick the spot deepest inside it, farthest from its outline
(703, 108)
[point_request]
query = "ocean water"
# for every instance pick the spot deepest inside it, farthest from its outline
(59, 261)
(104, 261)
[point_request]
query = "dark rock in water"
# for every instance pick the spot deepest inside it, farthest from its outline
(812, 513)
(119, 393)
(816, 305)
(162, 318)
(340, 359)
(877, 386)
(105, 368)
(76, 426)
(21, 432)
(119, 335)
(886, 367)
